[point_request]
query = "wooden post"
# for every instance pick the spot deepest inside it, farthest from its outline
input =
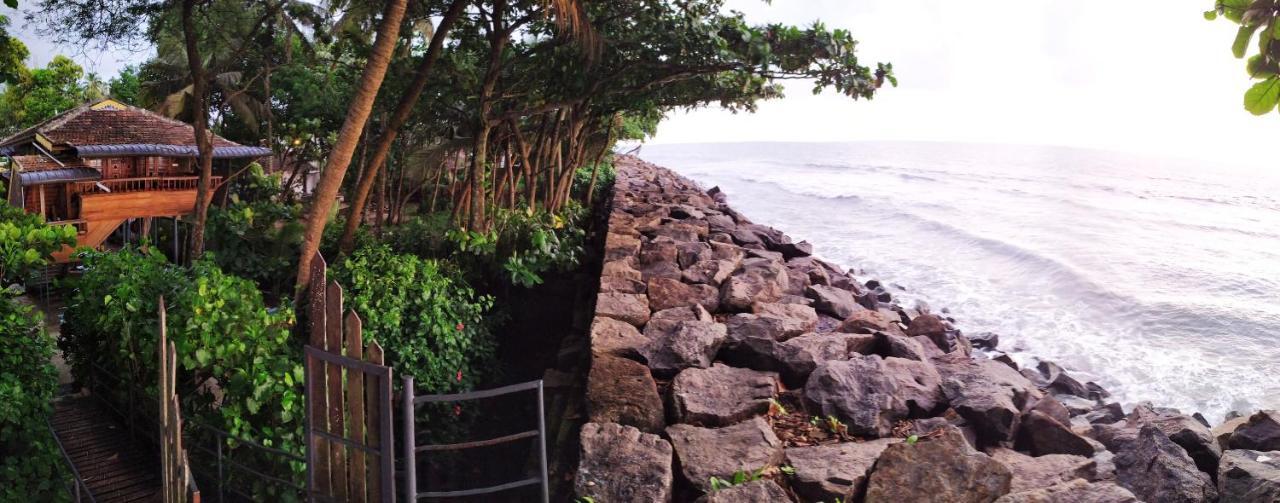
(373, 416)
(356, 406)
(317, 394)
(333, 333)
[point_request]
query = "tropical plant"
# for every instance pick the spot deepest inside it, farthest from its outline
(238, 371)
(431, 324)
(256, 235)
(1261, 19)
(30, 464)
(40, 93)
(26, 242)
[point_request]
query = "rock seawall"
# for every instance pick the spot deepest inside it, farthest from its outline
(728, 363)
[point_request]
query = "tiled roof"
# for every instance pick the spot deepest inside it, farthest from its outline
(107, 122)
(33, 163)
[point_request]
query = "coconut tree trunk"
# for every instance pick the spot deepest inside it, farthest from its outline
(357, 113)
(401, 115)
(200, 124)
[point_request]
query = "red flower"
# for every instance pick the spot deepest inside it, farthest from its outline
(460, 326)
(457, 410)
(459, 376)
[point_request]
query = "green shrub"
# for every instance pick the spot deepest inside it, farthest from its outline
(228, 343)
(518, 250)
(31, 468)
(258, 235)
(26, 242)
(429, 321)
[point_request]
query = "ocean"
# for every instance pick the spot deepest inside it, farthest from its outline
(1157, 278)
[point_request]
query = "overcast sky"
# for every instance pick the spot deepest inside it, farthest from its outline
(1134, 75)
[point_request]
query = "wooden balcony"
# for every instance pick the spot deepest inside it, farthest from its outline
(159, 183)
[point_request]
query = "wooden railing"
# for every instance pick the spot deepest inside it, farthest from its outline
(117, 185)
(81, 225)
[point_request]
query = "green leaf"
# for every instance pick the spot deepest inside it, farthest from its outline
(13, 4)
(911, 440)
(203, 356)
(1243, 36)
(1211, 15)
(1263, 96)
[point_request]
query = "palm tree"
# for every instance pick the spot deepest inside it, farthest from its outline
(349, 135)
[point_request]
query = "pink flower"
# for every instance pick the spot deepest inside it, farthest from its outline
(459, 376)
(457, 410)
(460, 326)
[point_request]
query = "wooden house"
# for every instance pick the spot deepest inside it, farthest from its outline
(105, 163)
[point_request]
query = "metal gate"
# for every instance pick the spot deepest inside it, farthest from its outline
(350, 453)
(412, 448)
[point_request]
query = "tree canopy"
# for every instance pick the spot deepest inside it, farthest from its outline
(1257, 19)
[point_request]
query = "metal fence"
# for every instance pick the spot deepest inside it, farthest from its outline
(412, 449)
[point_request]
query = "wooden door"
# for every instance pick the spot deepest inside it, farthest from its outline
(117, 167)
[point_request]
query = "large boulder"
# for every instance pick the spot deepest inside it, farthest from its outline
(615, 337)
(870, 393)
(835, 471)
(721, 395)
(987, 394)
(904, 347)
(945, 468)
(622, 391)
(720, 452)
(1222, 432)
(834, 301)
(790, 320)
(1260, 433)
(795, 358)
(1156, 469)
(1043, 435)
(628, 307)
(1186, 431)
(668, 293)
(620, 463)
(1074, 491)
(866, 321)
(760, 280)
(620, 246)
(1246, 475)
(709, 272)
(756, 491)
(673, 347)
(1031, 473)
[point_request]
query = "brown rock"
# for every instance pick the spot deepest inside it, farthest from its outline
(945, 468)
(870, 394)
(1075, 491)
(615, 337)
(828, 472)
(675, 347)
(631, 308)
(619, 463)
(721, 395)
(1260, 433)
(1156, 469)
(987, 394)
(1246, 475)
(757, 491)
(1030, 473)
(719, 452)
(668, 293)
(622, 391)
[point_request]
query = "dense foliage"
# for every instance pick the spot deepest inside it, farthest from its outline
(30, 464)
(238, 370)
(1260, 19)
(256, 235)
(432, 325)
(26, 242)
(40, 93)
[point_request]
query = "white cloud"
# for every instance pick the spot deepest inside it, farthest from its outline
(1140, 75)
